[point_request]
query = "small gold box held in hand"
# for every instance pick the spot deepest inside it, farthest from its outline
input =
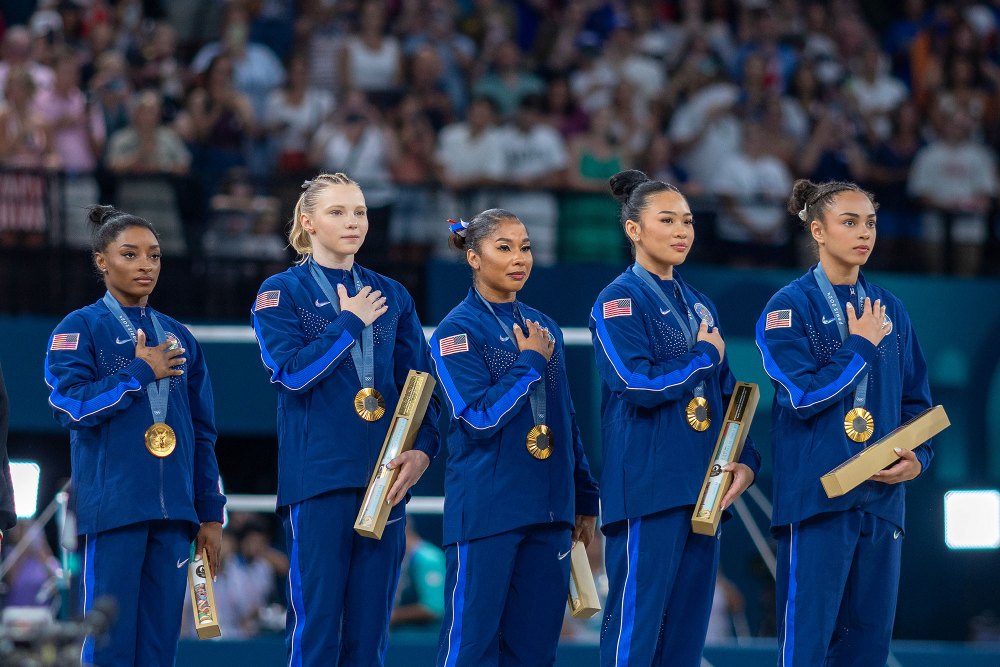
(206, 620)
(413, 400)
(583, 600)
(855, 470)
(739, 415)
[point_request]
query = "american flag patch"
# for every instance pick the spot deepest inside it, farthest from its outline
(778, 319)
(617, 308)
(454, 344)
(65, 341)
(267, 300)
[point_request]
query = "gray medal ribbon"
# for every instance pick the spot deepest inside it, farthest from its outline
(826, 287)
(158, 390)
(363, 354)
(537, 397)
(689, 328)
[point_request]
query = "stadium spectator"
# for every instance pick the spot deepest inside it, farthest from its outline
(509, 81)
(875, 92)
(16, 53)
(420, 592)
(371, 60)
(292, 114)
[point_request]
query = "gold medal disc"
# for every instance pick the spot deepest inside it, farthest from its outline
(539, 442)
(369, 404)
(859, 424)
(698, 414)
(161, 440)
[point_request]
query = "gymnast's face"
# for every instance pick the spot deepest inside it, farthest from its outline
(846, 235)
(338, 224)
(131, 265)
(503, 261)
(664, 233)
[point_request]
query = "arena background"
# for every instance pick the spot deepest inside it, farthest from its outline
(948, 605)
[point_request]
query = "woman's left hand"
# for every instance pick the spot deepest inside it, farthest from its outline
(210, 538)
(906, 468)
(585, 528)
(742, 479)
(412, 465)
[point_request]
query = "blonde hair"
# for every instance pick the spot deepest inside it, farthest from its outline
(298, 237)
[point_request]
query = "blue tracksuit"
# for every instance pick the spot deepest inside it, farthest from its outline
(137, 513)
(838, 558)
(341, 585)
(507, 516)
(654, 465)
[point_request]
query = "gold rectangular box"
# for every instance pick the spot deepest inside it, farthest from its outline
(206, 620)
(583, 599)
(742, 406)
(870, 460)
(413, 400)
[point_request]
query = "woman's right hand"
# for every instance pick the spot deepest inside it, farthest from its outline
(713, 337)
(161, 359)
(537, 339)
(368, 305)
(871, 325)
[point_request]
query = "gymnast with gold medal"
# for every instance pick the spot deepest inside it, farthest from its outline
(338, 340)
(518, 489)
(847, 370)
(132, 386)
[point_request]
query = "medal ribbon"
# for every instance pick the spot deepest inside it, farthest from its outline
(363, 354)
(537, 397)
(158, 390)
(826, 287)
(689, 328)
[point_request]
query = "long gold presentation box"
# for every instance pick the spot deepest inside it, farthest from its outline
(739, 415)
(206, 619)
(583, 599)
(870, 460)
(413, 400)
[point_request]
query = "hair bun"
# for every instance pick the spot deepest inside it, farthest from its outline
(98, 215)
(803, 191)
(625, 182)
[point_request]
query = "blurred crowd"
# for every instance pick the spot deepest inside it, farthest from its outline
(206, 115)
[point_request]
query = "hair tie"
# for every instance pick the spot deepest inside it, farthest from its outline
(458, 227)
(306, 184)
(802, 214)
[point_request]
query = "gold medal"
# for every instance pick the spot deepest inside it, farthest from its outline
(859, 424)
(698, 414)
(160, 440)
(369, 404)
(539, 442)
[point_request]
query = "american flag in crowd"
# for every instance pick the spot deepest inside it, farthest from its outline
(67, 341)
(267, 299)
(778, 319)
(453, 344)
(617, 308)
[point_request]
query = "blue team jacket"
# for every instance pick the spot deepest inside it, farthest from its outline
(814, 376)
(323, 445)
(99, 393)
(492, 483)
(653, 460)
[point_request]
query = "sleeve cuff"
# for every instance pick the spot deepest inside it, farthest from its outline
(535, 360)
(210, 509)
(350, 323)
(862, 347)
(588, 504)
(141, 371)
(750, 457)
(923, 455)
(709, 350)
(427, 445)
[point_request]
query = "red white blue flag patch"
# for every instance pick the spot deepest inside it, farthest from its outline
(65, 341)
(778, 319)
(454, 344)
(267, 300)
(616, 308)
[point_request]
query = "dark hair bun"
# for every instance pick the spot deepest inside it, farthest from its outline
(802, 192)
(98, 215)
(625, 182)
(456, 241)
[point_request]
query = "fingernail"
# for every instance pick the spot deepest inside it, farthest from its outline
(898, 450)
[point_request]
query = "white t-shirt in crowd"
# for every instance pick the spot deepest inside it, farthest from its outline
(760, 187)
(464, 155)
(373, 70)
(721, 136)
(300, 121)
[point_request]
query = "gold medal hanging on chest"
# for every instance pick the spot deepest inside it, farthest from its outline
(699, 416)
(369, 404)
(859, 424)
(161, 440)
(539, 442)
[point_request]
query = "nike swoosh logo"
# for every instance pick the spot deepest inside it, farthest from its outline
(828, 321)
(320, 304)
(394, 520)
(504, 339)
(180, 563)
(896, 535)
(664, 312)
(561, 556)
(122, 342)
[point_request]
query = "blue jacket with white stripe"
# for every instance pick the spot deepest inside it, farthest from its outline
(98, 391)
(814, 376)
(653, 460)
(323, 445)
(493, 484)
